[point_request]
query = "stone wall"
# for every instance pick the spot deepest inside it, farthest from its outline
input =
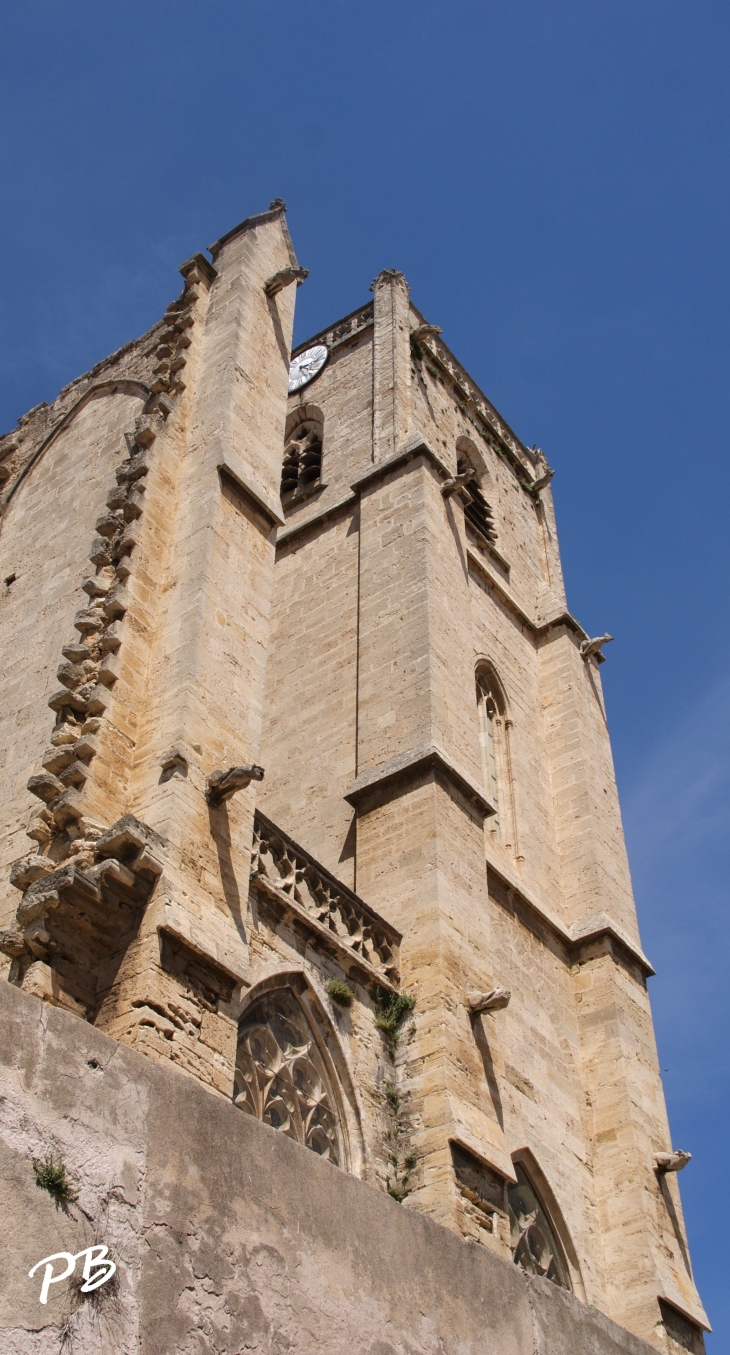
(228, 1237)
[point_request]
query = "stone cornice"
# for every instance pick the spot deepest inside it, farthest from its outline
(405, 766)
(538, 629)
(414, 447)
(576, 939)
(298, 528)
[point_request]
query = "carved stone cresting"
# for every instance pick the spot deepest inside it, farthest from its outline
(281, 1076)
(472, 402)
(346, 329)
(287, 873)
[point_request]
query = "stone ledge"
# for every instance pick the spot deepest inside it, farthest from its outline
(230, 462)
(414, 447)
(582, 934)
(412, 763)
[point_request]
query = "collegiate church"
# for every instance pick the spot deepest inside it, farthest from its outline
(322, 986)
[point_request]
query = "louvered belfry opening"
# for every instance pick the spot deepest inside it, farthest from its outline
(302, 468)
(478, 512)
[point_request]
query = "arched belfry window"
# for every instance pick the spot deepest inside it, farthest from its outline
(302, 468)
(494, 738)
(478, 511)
(283, 1075)
(535, 1245)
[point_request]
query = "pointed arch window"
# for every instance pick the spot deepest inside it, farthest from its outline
(477, 512)
(302, 468)
(494, 738)
(282, 1075)
(535, 1246)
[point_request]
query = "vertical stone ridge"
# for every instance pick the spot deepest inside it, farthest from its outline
(391, 363)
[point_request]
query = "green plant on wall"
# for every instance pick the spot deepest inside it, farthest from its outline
(391, 1009)
(53, 1177)
(400, 1158)
(340, 992)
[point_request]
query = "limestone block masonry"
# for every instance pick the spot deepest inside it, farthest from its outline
(308, 817)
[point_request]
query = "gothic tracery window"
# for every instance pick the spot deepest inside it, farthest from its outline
(282, 1078)
(493, 736)
(302, 468)
(534, 1245)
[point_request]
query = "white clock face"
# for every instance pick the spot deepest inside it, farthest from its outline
(305, 366)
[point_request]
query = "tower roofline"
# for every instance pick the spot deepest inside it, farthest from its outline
(276, 212)
(524, 459)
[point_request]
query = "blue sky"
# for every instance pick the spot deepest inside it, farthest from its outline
(553, 181)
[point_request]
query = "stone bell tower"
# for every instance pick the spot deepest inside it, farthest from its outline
(323, 813)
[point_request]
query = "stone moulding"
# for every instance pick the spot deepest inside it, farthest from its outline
(413, 763)
(589, 932)
(286, 874)
(230, 463)
(277, 211)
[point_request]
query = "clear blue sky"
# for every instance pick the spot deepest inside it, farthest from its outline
(552, 178)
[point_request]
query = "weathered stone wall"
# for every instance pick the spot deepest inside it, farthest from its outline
(45, 539)
(227, 1236)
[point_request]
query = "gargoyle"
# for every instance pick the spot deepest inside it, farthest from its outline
(543, 482)
(488, 1002)
(591, 647)
(424, 332)
(457, 482)
(222, 785)
(284, 278)
(671, 1162)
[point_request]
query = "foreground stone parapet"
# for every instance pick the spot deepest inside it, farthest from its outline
(226, 1233)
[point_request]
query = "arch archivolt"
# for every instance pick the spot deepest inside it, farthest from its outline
(467, 450)
(541, 1239)
(121, 386)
